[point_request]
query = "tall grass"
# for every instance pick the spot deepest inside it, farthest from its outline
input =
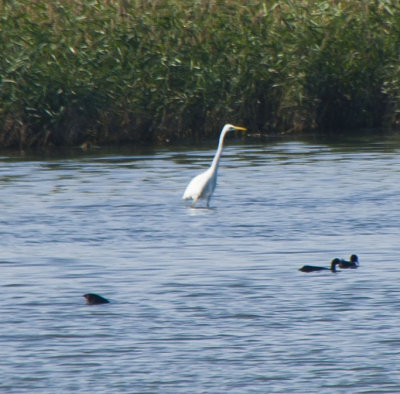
(142, 71)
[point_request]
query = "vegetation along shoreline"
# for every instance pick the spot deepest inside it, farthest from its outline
(117, 72)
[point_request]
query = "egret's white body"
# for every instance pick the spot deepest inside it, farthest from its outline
(202, 186)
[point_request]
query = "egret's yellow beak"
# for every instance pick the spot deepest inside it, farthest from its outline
(239, 128)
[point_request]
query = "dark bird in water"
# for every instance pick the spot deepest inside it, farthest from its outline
(313, 268)
(353, 263)
(94, 299)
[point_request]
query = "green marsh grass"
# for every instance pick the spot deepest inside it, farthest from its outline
(120, 71)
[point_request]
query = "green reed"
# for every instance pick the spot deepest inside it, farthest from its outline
(139, 71)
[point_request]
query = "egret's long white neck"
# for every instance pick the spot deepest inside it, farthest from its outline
(215, 162)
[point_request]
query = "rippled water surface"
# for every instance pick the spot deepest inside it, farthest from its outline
(202, 300)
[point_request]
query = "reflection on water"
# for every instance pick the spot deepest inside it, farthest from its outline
(201, 299)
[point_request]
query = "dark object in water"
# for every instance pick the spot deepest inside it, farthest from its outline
(313, 268)
(94, 299)
(353, 263)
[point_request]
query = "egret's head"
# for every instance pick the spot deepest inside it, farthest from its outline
(231, 127)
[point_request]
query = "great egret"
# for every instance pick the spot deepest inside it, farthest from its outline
(202, 186)
(313, 268)
(353, 263)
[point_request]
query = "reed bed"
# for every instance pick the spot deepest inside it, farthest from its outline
(120, 71)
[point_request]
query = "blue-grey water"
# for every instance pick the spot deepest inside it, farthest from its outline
(202, 300)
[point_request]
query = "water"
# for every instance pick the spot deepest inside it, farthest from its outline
(202, 300)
